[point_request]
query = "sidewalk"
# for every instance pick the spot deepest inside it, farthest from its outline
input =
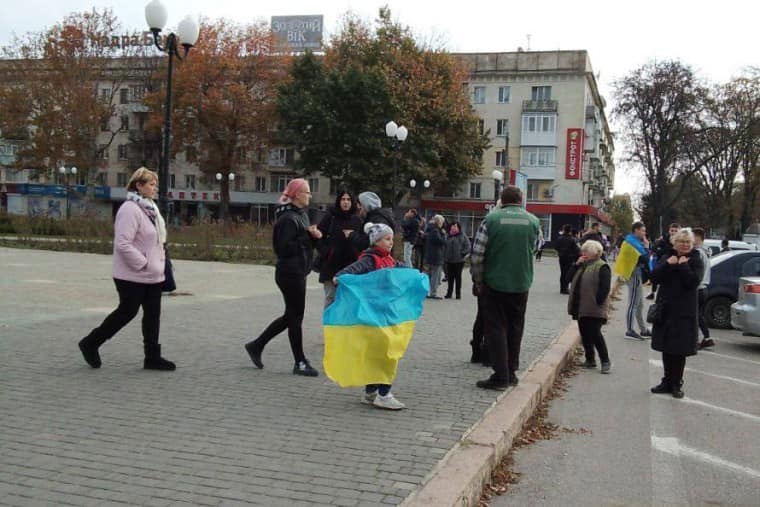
(217, 431)
(646, 449)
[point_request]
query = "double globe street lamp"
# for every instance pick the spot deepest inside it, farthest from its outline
(398, 135)
(224, 202)
(67, 172)
(187, 36)
(425, 186)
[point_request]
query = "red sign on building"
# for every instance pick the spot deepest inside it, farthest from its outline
(574, 155)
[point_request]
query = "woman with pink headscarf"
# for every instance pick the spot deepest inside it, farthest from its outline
(293, 240)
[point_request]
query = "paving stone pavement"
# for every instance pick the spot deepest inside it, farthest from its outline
(218, 431)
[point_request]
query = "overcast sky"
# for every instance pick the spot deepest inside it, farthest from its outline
(718, 38)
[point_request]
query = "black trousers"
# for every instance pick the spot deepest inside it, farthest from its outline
(702, 294)
(592, 338)
(673, 364)
(454, 271)
(503, 315)
(565, 264)
(132, 296)
(294, 293)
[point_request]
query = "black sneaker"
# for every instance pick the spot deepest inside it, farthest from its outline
(647, 333)
(588, 364)
(662, 388)
(90, 353)
(490, 383)
(633, 335)
(305, 369)
(255, 353)
(513, 380)
(650, 296)
(606, 367)
(677, 392)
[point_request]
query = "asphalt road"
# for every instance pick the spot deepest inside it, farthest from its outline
(647, 449)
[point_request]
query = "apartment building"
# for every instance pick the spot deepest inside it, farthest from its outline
(543, 112)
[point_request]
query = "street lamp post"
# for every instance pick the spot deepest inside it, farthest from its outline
(222, 198)
(425, 185)
(398, 135)
(497, 176)
(187, 35)
(66, 172)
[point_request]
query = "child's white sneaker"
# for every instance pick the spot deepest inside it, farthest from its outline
(369, 398)
(388, 402)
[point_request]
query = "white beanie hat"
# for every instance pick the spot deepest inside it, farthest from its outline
(376, 232)
(370, 201)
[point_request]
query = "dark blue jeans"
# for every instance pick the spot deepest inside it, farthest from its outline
(382, 389)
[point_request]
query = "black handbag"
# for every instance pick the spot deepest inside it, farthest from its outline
(655, 313)
(169, 284)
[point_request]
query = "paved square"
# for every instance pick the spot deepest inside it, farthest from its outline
(218, 431)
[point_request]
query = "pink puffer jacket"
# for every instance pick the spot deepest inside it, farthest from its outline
(138, 255)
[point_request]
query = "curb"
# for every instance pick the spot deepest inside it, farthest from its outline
(459, 479)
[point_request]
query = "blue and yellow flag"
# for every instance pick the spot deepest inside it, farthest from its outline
(370, 324)
(628, 257)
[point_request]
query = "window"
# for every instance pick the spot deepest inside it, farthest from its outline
(501, 159)
(261, 184)
(334, 186)
(239, 183)
(101, 178)
(545, 123)
(122, 152)
(105, 95)
(482, 127)
(532, 191)
(124, 122)
(502, 127)
(479, 95)
(138, 92)
(474, 190)
(280, 157)
(104, 127)
(314, 185)
(172, 181)
(504, 94)
(123, 95)
(121, 179)
(103, 152)
(541, 93)
(539, 156)
(190, 181)
(279, 182)
(751, 267)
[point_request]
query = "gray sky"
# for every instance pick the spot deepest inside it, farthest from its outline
(718, 38)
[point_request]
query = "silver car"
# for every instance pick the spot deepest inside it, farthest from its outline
(745, 313)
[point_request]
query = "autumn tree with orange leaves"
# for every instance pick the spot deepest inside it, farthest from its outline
(52, 92)
(223, 99)
(334, 110)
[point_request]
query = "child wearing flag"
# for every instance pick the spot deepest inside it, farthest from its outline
(377, 256)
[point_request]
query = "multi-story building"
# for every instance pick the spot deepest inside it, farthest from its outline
(544, 107)
(549, 134)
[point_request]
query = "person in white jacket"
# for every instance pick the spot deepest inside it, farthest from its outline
(704, 252)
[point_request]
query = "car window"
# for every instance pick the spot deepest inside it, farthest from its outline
(751, 267)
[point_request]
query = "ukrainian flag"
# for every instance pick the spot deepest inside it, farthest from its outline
(628, 257)
(370, 324)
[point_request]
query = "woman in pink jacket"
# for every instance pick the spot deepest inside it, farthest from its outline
(138, 272)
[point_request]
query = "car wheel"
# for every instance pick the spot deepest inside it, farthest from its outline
(718, 312)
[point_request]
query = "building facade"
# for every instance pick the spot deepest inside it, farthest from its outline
(542, 110)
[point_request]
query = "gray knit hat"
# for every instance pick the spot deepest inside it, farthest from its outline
(370, 201)
(376, 231)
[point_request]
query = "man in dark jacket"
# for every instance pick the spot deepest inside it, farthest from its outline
(661, 247)
(410, 228)
(568, 252)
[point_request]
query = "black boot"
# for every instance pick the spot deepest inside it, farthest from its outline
(154, 361)
(677, 392)
(476, 353)
(662, 388)
(89, 346)
(254, 351)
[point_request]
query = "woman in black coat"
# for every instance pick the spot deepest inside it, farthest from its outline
(435, 246)
(675, 332)
(336, 251)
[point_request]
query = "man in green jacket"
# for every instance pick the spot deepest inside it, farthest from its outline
(502, 273)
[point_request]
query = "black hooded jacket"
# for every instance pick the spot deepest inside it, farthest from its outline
(292, 242)
(334, 247)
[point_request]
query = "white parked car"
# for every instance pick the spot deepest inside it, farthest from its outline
(745, 313)
(714, 245)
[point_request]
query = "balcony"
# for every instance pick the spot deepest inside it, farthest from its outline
(540, 106)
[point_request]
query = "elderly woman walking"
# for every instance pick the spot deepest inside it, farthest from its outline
(588, 303)
(675, 331)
